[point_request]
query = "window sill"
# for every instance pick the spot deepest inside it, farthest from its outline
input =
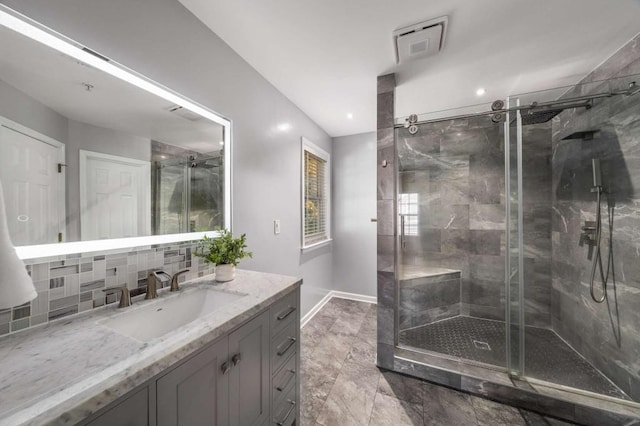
(315, 246)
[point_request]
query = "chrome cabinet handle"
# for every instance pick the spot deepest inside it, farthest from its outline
(225, 367)
(281, 388)
(285, 314)
(281, 352)
(283, 421)
(236, 359)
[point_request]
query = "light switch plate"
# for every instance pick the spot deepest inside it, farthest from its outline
(276, 226)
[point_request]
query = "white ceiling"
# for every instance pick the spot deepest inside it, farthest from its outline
(325, 55)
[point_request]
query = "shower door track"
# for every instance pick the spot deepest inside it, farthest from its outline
(577, 102)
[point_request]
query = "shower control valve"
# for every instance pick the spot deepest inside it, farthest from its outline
(588, 236)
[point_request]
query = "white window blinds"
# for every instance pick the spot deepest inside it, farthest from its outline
(316, 198)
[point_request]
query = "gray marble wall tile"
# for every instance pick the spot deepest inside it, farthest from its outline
(386, 290)
(386, 83)
(584, 324)
(386, 217)
(385, 110)
(487, 216)
(386, 181)
(385, 138)
(386, 326)
(385, 356)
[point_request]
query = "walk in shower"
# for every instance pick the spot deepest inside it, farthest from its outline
(504, 261)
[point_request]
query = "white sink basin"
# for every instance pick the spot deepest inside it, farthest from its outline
(158, 319)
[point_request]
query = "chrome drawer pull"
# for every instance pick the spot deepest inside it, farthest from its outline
(288, 312)
(281, 352)
(281, 388)
(283, 421)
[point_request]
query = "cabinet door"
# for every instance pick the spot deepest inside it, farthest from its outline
(196, 393)
(249, 375)
(133, 411)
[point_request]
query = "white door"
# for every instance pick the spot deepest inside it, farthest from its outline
(114, 196)
(34, 198)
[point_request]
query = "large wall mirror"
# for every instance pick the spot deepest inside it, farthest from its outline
(92, 152)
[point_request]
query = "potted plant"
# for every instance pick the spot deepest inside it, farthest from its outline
(225, 252)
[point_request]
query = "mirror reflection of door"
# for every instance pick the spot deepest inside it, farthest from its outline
(114, 196)
(33, 187)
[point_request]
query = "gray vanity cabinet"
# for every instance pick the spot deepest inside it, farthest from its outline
(197, 391)
(132, 411)
(225, 384)
(249, 375)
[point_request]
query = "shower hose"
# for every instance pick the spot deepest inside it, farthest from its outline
(597, 258)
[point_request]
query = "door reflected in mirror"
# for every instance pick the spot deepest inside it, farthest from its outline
(87, 156)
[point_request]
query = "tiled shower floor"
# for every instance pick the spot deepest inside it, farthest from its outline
(547, 357)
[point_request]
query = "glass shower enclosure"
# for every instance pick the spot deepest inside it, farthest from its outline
(186, 191)
(518, 239)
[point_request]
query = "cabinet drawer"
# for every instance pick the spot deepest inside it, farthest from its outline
(283, 312)
(283, 345)
(285, 379)
(285, 412)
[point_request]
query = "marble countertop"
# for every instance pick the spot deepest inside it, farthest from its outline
(68, 369)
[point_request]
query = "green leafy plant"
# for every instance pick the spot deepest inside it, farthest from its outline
(223, 250)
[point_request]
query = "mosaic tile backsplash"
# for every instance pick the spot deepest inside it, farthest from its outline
(67, 285)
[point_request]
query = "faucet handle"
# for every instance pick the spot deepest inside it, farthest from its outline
(125, 296)
(174, 281)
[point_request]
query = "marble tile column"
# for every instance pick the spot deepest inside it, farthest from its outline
(386, 180)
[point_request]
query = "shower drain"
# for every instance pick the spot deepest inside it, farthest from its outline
(481, 345)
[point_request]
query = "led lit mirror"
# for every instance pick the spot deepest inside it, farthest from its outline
(91, 151)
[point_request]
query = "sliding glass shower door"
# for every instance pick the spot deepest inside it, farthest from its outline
(451, 244)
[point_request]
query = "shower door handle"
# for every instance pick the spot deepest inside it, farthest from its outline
(402, 241)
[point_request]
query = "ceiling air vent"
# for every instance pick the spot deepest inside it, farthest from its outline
(420, 40)
(184, 113)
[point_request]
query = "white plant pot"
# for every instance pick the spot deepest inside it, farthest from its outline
(225, 273)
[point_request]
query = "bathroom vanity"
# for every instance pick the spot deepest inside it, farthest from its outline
(234, 365)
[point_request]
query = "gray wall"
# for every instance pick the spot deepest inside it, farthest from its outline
(17, 106)
(589, 327)
(97, 139)
(354, 195)
(162, 40)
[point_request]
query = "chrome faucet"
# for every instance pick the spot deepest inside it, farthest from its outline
(174, 281)
(153, 283)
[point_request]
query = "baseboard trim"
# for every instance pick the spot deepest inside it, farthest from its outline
(339, 294)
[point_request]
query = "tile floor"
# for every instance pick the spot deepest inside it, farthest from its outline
(342, 386)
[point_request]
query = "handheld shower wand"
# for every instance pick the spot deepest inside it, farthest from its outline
(597, 258)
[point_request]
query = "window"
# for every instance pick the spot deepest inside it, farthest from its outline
(408, 209)
(316, 196)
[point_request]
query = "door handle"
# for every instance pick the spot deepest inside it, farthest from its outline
(225, 367)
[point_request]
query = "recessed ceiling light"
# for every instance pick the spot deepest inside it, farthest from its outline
(283, 127)
(480, 91)
(349, 116)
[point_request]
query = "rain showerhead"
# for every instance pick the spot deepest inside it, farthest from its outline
(537, 117)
